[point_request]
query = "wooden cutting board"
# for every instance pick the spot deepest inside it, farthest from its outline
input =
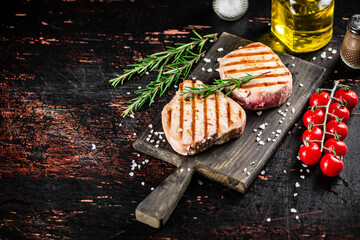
(235, 164)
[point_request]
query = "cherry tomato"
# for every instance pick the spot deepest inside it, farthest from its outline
(339, 111)
(348, 96)
(310, 154)
(319, 99)
(311, 134)
(337, 145)
(316, 117)
(330, 165)
(335, 127)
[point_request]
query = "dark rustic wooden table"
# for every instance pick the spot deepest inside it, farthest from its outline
(66, 153)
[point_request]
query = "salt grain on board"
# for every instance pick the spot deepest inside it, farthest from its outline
(220, 49)
(297, 184)
(293, 210)
(268, 219)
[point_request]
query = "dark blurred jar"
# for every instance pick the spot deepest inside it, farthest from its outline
(350, 47)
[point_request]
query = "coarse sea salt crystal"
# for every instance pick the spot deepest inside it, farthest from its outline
(218, 59)
(293, 110)
(258, 139)
(262, 172)
(288, 103)
(295, 194)
(297, 184)
(293, 65)
(329, 57)
(93, 146)
(220, 49)
(248, 173)
(302, 176)
(292, 58)
(304, 165)
(128, 93)
(301, 85)
(146, 160)
(254, 130)
(143, 183)
(269, 139)
(261, 143)
(209, 70)
(139, 87)
(330, 49)
(268, 219)
(259, 113)
(245, 169)
(297, 217)
(262, 126)
(131, 174)
(193, 78)
(334, 51)
(132, 116)
(293, 210)
(203, 69)
(323, 55)
(217, 69)
(152, 189)
(314, 58)
(278, 131)
(207, 60)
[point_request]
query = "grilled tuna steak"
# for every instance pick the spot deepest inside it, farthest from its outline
(266, 91)
(193, 125)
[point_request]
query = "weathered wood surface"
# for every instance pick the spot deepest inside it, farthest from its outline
(55, 103)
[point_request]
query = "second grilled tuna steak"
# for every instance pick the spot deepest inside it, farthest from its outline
(193, 125)
(266, 91)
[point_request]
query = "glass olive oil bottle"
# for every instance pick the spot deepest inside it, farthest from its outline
(302, 25)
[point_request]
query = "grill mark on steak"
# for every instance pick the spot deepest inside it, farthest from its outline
(247, 61)
(264, 84)
(253, 69)
(228, 114)
(247, 54)
(193, 114)
(181, 112)
(205, 118)
(169, 112)
(253, 45)
(217, 114)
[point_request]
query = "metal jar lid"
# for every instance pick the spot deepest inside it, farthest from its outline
(354, 24)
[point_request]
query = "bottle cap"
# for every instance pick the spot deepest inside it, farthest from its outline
(354, 24)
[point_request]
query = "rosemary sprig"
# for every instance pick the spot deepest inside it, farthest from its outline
(219, 84)
(160, 60)
(163, 81)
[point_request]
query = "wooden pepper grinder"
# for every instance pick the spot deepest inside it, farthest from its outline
(350, 47)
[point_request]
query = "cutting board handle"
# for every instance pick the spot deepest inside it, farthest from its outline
(156, 208)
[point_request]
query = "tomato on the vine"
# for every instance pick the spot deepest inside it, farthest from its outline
(348, 96)
(338, 128)
(330, 165)
(319, 99)
(340, 111)
(316, 116)
(310, 154)
(312, 134)
(338, 146)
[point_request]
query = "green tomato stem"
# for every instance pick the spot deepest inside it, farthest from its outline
(327, 113)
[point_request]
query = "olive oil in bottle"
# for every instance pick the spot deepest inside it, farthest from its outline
(302, 25)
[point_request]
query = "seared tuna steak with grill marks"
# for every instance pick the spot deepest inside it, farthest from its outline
(266, 91)
(193, 125)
